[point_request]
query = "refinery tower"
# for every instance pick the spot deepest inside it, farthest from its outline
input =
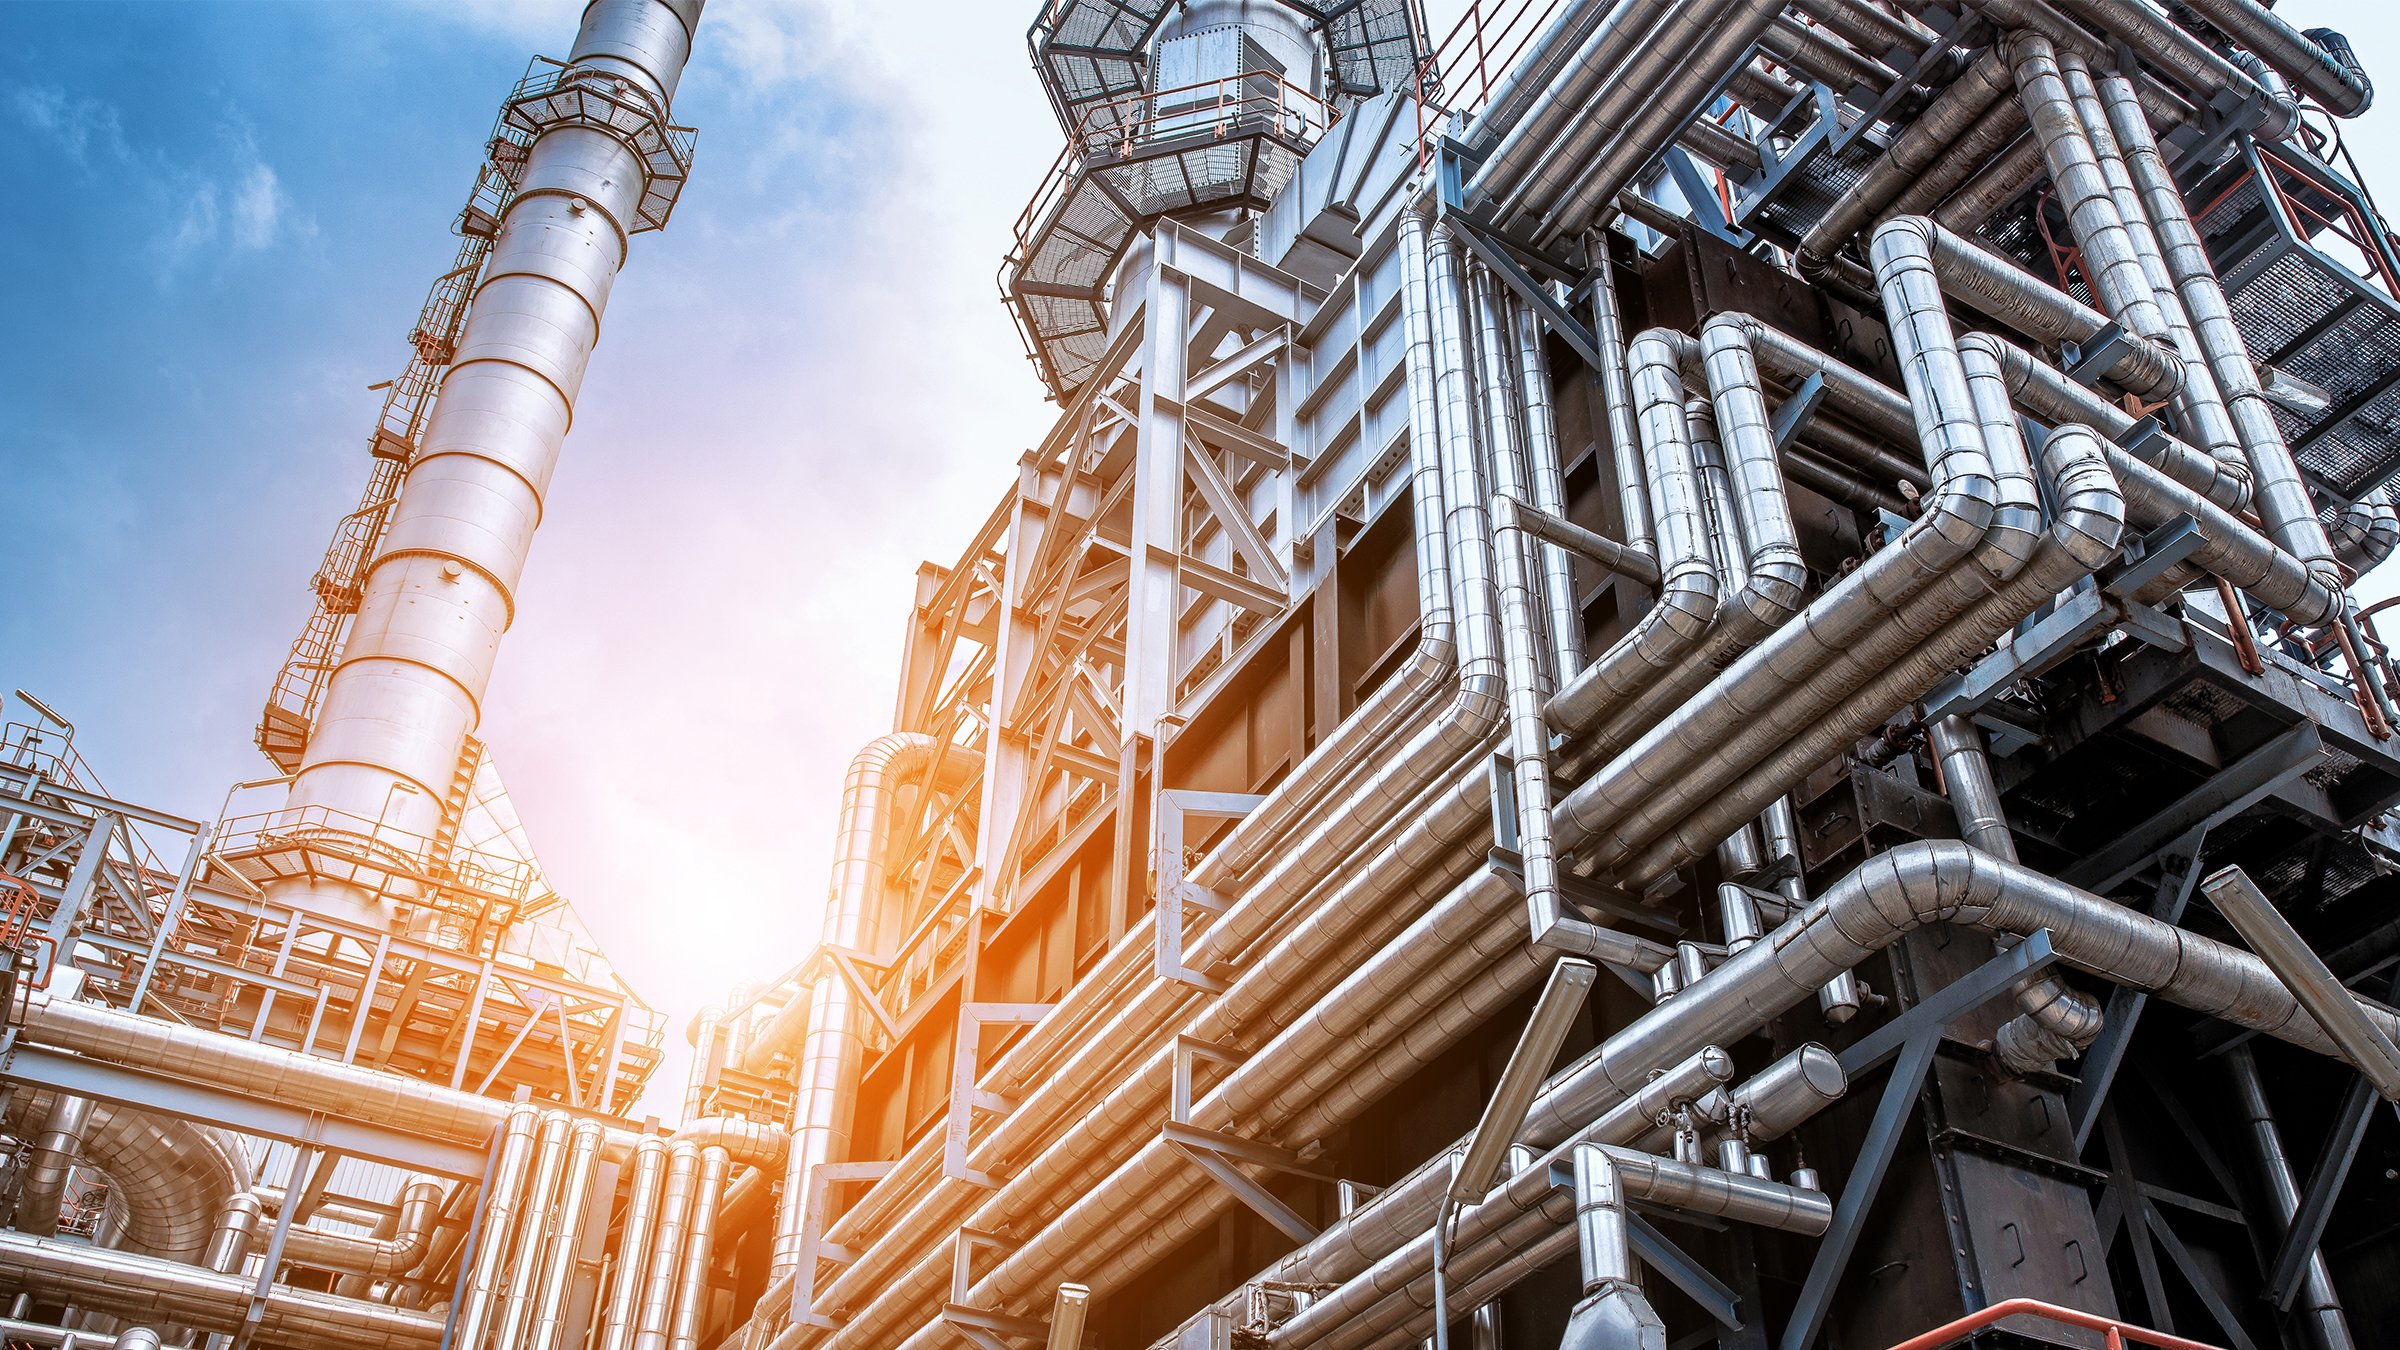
(1679, 673)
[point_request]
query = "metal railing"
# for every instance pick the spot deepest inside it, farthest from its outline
(1485, 43)
(2115, 1335)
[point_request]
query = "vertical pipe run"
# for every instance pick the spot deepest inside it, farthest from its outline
(566, 1234)
(2320, 1307)
(691, 1284)
(666, 1247)
(826, 1085)
(436, 601)
(2281, 496)
(480, 1288)
(1549, 486)
(539, 1214)
(46, 1166)
(633, 1245)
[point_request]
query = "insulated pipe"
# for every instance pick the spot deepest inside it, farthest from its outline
(1393, 1295)
(1528, 736)
(537, 1218)
(1877, 613)
(1841, 997)
(2283, 499)
(1615, 377)
(2367, 532)
(1536, 72)
(1824, 57)
(1973, 274)
(1586, 106)
(2199, 405)
(1688, 590)
(2109, 261)
(170, 1179)
(633, 1244)
(708, 1045)
(748, 1143)
(2323, 76)
(374, 1258)
(664, 1266)
(2058, 1023)
(691, 1284)
(2175, 54)
(1695, 65)
(1923, 143)
(565, 1236)
(48, 1163)
(2085, 534)
(1614, 1313)
(480, 1285)
(2048, 393)
(2319, 1306)
(237, 1227)
(436, 600)
(826, 1080)
(1764, 585)
(147, 1289)
(1549, 493)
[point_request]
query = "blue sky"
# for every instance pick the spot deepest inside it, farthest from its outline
(220, 220)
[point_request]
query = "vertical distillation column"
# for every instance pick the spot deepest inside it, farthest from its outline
(437, 599)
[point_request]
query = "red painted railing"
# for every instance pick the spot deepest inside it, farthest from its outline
(2116, 1335)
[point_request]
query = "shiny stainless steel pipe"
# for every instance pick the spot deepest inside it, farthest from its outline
(565, 1235)
(665, 1264)
(147, 1289)
(536, 1219)
(834, 1046)
(376, 1258)
(49, 1161)
(691, 1283)
(633, 1244)
(480, 1288)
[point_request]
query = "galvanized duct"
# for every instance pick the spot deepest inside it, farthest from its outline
(436, 600)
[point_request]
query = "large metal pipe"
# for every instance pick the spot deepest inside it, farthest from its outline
(691, 1280)
(420, 1203)
(435, 602)
(630, 1274)
(665, 1264)
(2283, 500)
(2319, 1306)
(2321, 74)
(1548, 480)
(147, 1289)
(479, 1291)
(564, 1233)
(49, 1162)
(169, 1179)
(834, 1046)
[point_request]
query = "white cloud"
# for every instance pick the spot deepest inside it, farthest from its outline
(226, 200)
(259, 206)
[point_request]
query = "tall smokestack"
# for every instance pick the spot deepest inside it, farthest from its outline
(386, 746)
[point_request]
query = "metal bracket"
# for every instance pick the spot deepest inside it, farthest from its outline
(2090, 359)
(813, 1246)
(1912, 1038)
(1175, 893)
(1797, 410)
(982, 1328)
(1216, 1151)
(966, 1098)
